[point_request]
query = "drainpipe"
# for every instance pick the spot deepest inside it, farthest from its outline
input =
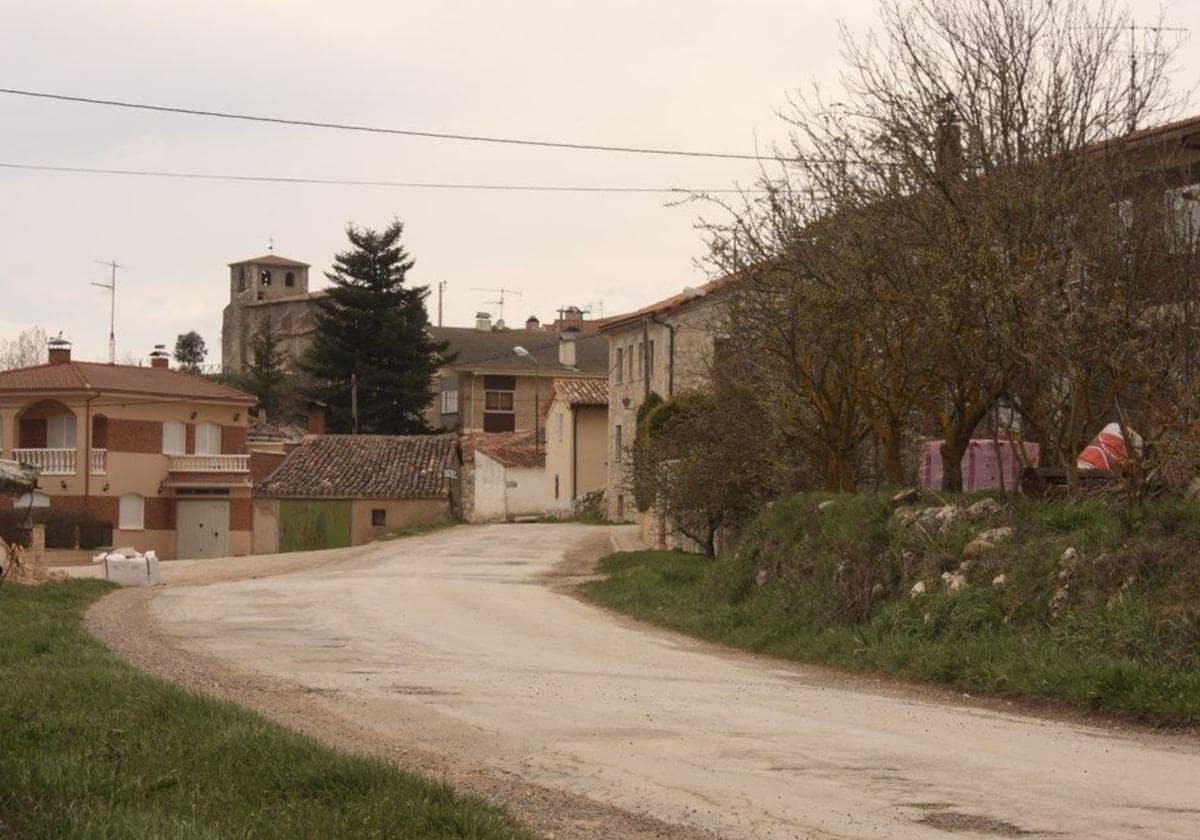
(574, 456)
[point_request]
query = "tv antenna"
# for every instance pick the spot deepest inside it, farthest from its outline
(111, 286)
(500, 298)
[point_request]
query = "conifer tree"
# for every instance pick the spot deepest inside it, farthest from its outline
(372, 329)
(266, 376)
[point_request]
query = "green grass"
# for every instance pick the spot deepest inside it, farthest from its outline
(418, 528)
(91, 748)
(1127, 642)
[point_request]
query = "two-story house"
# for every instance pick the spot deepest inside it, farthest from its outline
(159, 454)
(662, 348)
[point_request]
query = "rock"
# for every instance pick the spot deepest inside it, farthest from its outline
(999, 581)
(983, 508)
(1193, 489)
(927, 618)
(908, 496)
(1070, 559)
(906, 516)
(954, 581)
(1058, 601)
(761, 577)
(947, 516)
(934, 519)
(826, 505)
(917, 589)
(988, 540)
(908, 557)
(877, 590)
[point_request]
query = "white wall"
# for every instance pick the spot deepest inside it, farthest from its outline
(496, 500)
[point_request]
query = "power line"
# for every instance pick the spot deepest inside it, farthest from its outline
(435, 135)
(428, 185)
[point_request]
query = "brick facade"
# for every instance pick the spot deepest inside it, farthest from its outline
(134, 436)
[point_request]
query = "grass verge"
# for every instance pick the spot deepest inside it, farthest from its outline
(1116, 631)
(91, 748)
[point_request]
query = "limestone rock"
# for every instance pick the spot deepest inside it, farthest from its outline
(917, 589)
(877, 590)
(761, 577)
(909, 496)
(954, 581)
(826, 505)
(906, 516)
(999, 581)
(987, 540)
(984, 508)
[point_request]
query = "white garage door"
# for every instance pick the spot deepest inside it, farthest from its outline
(201, 528)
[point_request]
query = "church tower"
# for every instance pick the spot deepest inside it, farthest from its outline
(263, 287)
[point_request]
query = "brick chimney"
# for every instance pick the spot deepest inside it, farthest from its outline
(572, 320)
(160, 358)
(58, 350)
(483, 321)
(532, 323)
(316, 418)
(566, 348)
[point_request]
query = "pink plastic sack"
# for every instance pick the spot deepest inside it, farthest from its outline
(986, 465)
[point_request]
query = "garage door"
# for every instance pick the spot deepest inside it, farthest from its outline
(201, 528)
(308, 525)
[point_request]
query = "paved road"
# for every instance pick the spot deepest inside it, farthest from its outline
(462, 644)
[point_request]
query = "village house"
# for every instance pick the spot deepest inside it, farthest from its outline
(576, 442)
(503, 476)
(157, 454)
(332, 491)
(663, 348)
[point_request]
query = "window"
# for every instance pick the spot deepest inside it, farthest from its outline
(650, 360)
(559, 418)
(208, 439)
(289, 279)
(378, 517)
(131, 512)
(629, 356)
(174, 438)
(619, 367)
(498, 401)
(60, 431)
(241, 278)
(450, 402)
(1183, 208)
(641, 361)
(617, 445)
(264, 277)
(556, 486)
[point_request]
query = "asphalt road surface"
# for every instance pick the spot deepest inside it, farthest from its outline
(467, 644)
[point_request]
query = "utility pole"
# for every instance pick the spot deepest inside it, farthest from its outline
(441, 292)
(354, 403)
(111, 286)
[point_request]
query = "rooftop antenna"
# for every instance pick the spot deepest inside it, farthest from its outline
(1133, 65)
(500, 300)
(271, 245)
(111, 286)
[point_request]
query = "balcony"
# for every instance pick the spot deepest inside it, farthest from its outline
(209, 464)
(49, 461)
(99, 462)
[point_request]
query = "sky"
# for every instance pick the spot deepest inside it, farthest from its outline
(694, 74)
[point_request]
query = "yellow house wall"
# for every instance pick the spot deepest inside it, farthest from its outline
(400, 512)
(577, 457)
(266, 526)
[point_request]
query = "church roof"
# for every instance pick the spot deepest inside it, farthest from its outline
(272, 259)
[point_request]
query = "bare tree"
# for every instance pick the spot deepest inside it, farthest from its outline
(26, 349)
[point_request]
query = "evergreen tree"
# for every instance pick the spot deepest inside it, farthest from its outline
(266, 376)
(190, 351)
(372, 327)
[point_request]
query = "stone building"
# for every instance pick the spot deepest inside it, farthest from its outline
(269, 287)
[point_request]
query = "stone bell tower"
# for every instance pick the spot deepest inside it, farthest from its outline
(264, 287)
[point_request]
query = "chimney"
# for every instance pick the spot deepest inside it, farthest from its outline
(947, 139)
(572, 319)
(316, 418)
(483, 321)
(566, 349)
(160, 358)
(532, 323)
(58, 350)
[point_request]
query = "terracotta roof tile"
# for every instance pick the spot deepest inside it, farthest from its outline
(364, 467)
(125, 379)
(576, 391)
(511, 449)
(669, 304)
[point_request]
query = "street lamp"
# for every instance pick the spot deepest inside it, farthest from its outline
(537, 419)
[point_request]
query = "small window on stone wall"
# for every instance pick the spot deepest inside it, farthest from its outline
(289, 279)
(378, 516)
(264, 277)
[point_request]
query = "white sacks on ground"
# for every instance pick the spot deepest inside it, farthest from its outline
(128, 567)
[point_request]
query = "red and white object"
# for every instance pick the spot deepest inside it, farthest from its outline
(986, 465)
(1107, 449)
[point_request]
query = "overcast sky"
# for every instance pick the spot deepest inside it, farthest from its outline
(700, 74)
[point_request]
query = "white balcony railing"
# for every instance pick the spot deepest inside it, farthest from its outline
(51, 461)
(99, 461)
(209, 463)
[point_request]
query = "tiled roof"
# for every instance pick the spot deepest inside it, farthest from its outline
(271, 259)
(662, 307)
(469, 345)
(364, 467)
(511, 449)
(124, 379)
(579, 391)
(591, 355)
